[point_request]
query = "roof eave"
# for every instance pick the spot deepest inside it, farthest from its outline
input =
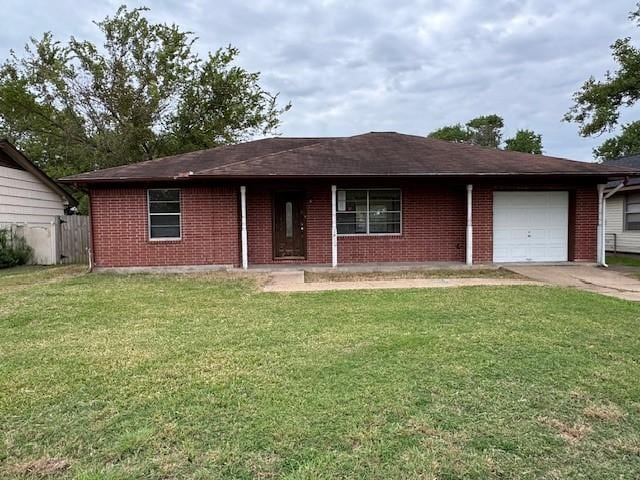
(22, 160)
(106, 180)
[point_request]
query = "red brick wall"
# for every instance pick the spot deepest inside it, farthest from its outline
(482, 217)
(585, 235)
(433, 229)
(210, 228)
(433, 226)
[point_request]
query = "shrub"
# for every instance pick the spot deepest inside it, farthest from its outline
(13, 249)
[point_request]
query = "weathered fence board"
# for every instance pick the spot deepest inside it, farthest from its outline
(74, 239)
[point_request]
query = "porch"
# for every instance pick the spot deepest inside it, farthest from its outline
(379, 224)
(359, 226)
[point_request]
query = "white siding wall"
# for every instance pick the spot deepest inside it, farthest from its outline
(25, 199)
(29, 208)
(626, 241)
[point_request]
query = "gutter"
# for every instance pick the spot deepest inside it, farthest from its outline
(453, 176)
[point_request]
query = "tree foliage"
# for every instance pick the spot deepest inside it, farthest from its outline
(144, 93)
(598, 103)
(526, 141)
(627, 143)
(452, 133)
(486, 130)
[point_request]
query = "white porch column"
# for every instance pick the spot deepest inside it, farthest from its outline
(334, 229)
(469, 242)
(601, 228)
(243, 235)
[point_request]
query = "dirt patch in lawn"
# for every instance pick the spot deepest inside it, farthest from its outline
(609, 412)
(42, 467)
(570, 433)
(315, 277)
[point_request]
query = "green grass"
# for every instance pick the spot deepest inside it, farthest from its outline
(621, 259)
(112, 377)
(628, 264)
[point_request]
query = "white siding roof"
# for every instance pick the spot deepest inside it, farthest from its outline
(26, 199)
(626, 240)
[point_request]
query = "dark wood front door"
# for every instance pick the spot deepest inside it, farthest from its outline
(289, 224)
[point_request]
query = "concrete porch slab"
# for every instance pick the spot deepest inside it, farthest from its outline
(369, 267)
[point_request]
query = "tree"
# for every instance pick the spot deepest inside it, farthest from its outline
(627, 143)
(598, 104)
(526, 141)
(75, 106)
(486, 130)
(451, 133)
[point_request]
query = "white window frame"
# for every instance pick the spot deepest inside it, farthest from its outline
(149, 215)
(368, 234)
(625, 213)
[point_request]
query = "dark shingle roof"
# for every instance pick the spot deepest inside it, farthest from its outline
(632, 161)
(12, 155)
(371, 154)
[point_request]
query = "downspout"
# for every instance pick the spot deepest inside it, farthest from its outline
(91, 249)
(243, 231)
(334, 229)
(600, 258)
(469, 242)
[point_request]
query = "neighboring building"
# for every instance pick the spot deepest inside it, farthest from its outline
(30, 202)
(376, 197)
(622, 222)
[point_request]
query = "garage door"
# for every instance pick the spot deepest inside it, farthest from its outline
(530, 226)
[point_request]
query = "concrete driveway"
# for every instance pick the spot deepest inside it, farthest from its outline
(590, 278)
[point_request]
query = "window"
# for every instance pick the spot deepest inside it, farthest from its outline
(369, 212)
(164, 214)
(632, 212)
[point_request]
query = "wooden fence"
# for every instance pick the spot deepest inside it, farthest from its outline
(73, 239)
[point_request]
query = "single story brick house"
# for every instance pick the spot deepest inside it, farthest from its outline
(370, 198)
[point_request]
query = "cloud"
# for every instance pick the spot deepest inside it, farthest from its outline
(350, 67)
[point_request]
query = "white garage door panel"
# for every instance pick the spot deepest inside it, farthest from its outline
(530, 226)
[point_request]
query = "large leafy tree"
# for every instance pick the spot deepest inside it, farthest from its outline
(627, 143)
(144, 93)
(598, 104)
(526, 141)
(486, 130)
(452, 133)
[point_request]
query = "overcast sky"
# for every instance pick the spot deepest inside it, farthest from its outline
(353, 67)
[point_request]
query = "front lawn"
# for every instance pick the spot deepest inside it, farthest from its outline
(624, 260)
(628, 264)
(202, 376)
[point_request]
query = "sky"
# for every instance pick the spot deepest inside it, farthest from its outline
(352, 67)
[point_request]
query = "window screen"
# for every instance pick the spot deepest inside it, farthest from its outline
(632, 212)
(164, 214)
(369, 212)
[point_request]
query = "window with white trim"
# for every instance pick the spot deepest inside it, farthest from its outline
(369, 211)
(164, 213)
(632, 212)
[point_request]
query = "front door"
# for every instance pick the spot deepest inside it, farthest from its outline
(289, 215)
